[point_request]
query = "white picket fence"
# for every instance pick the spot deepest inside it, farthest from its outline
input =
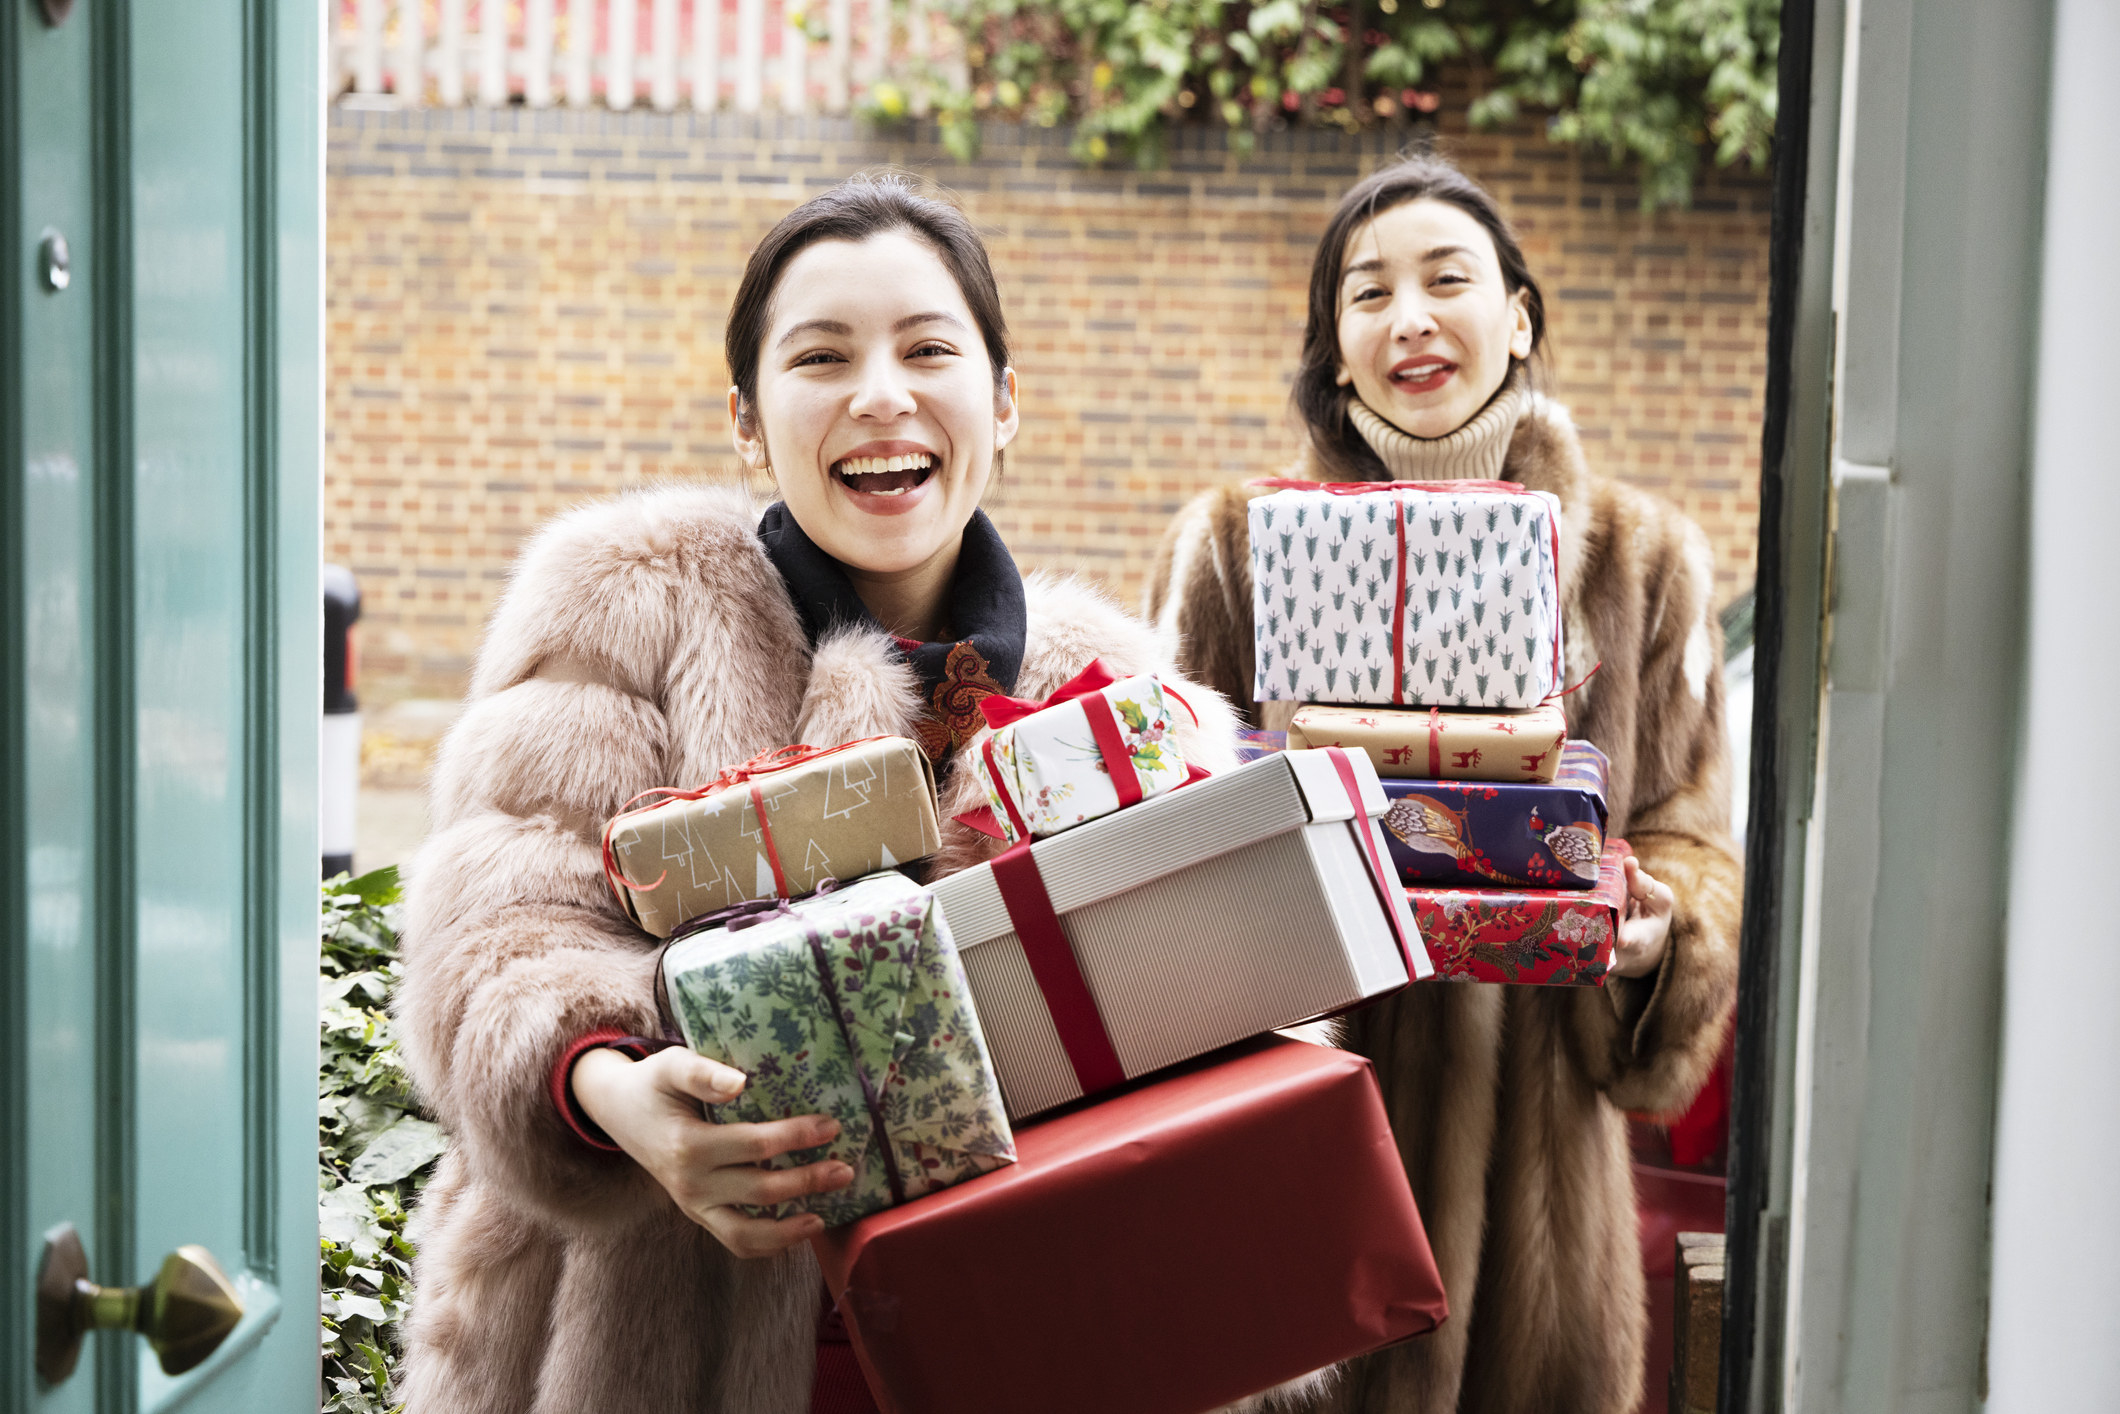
(705, 54)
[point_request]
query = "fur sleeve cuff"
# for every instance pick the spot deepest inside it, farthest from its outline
(1650, 1042)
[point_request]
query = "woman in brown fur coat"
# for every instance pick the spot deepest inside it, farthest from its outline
(578, 1249)
(1508, 1101)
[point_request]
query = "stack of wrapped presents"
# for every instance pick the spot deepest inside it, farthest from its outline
(1063, 1062)
(1060, 1064)
(1420, 624)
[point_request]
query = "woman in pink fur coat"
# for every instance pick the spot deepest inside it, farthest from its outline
(579, 1249)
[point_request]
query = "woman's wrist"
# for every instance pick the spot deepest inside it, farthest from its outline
(573, 1112)
(596, 1075)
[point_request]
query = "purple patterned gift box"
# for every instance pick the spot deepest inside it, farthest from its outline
(1480, 833)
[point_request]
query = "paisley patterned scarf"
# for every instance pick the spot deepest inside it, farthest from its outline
(986, 610)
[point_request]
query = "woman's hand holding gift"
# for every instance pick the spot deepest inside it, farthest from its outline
(1645, 930)
(651, 1109)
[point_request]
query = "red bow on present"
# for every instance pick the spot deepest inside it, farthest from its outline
(765, 763)
(1002, 711)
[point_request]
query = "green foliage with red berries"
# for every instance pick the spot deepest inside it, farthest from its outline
(1662, 84)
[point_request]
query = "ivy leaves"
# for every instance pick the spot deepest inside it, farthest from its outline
(375, 1151)
(1662, 81)
(1661, 84)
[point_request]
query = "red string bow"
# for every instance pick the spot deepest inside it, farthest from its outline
(1363, 488)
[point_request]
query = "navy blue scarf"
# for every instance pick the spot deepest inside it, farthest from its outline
(986, 620)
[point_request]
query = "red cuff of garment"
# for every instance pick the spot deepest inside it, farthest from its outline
(570, 1110)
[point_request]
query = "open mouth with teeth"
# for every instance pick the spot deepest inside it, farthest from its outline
(885, 476)
(1422, 377)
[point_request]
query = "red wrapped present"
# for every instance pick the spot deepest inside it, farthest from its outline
(1199, 1237)
(1552, 937)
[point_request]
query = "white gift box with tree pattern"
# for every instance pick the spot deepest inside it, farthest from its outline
(1416, 594)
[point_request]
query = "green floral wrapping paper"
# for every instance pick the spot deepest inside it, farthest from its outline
(852, 1004)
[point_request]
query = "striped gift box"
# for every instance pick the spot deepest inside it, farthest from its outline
(1237, 905)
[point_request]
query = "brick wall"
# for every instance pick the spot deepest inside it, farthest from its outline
(525, 309)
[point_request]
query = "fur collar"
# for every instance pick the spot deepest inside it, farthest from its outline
(1546, 454)
(667, 593)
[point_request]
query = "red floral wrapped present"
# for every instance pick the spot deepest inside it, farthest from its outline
(1550, 937)
(1184, 1243)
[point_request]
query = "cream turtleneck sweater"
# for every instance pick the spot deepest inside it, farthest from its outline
(1474, 452)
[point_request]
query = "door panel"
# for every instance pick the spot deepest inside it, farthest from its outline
(159, 677)
(49, 678)
(190, 528)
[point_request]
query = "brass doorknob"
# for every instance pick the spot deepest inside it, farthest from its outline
(185, 1312)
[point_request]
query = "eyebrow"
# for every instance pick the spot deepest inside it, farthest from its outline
(840, 329)
(1374, 264)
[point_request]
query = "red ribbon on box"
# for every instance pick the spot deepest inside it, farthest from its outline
(765, 763)
(1398, 525)
(1001, 711)
(1383, 882)
(1057, 971)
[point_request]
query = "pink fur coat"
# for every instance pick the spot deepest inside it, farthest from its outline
(643, 641)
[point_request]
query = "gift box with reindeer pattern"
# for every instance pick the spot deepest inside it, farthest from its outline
(1435, 745)
(1420, 594)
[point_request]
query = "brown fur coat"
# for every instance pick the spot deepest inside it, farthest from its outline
(643, 641)
(1507, 1101)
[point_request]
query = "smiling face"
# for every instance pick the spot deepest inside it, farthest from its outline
(878, 410)
(1427, 326)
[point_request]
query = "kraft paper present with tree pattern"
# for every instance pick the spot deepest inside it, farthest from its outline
(775, 827)
(1424, 594)
(1093, 747)
(852, 1003)
(1431, 744)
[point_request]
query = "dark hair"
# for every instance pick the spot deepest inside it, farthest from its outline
(864, 205)
(1319, 400)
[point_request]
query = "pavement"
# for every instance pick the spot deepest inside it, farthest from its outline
(392, 823)
(397, 750)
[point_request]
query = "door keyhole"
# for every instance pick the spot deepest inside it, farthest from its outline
(54, 261)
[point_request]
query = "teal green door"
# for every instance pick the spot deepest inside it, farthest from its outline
(160, 677)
